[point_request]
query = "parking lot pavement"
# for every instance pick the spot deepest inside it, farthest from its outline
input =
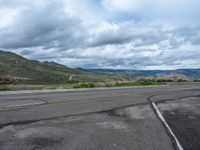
(133, 128)
(183, 117)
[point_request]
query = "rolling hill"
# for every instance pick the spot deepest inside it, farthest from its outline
(17, 69)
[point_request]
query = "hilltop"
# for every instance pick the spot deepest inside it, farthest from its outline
(17, 69)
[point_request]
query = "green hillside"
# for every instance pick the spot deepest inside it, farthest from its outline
(17, 69)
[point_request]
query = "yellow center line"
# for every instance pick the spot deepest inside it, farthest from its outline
(62, 101)
(23, 105)
(88, 99)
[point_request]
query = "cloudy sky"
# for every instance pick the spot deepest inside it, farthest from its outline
(117, 34)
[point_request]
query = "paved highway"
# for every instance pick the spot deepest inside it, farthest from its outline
(102, 119)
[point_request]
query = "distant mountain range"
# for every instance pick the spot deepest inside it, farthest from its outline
(17, 69)
(192, 73)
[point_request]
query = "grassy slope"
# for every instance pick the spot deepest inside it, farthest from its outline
(15, 68)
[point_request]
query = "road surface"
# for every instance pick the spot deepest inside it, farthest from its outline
(102, 119)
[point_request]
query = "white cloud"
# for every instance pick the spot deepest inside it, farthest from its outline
(84, 34)
(122, 5)
(7, 16)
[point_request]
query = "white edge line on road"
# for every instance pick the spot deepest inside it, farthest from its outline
(167, 126)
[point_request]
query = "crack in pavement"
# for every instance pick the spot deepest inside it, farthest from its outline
(46, 102)
(24, 122)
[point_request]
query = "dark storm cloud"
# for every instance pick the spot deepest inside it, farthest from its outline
(129, 32)
(46, 27)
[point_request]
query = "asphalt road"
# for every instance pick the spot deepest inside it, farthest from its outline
(101, 119)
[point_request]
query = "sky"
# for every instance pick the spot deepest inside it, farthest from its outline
(114, 34)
